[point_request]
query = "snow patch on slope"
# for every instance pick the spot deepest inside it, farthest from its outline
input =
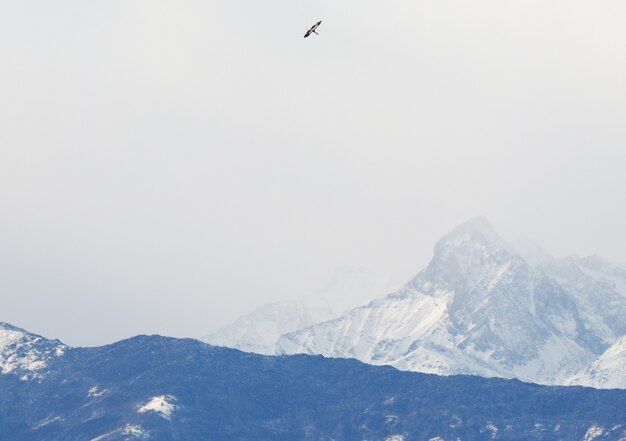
(593, 433)
(492, 429)
(163, 405)
(49, 420)
(96, 392)
(133, 431)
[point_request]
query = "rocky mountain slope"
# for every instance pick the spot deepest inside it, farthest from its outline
(26, 355)
(599, 289)
(608, 371)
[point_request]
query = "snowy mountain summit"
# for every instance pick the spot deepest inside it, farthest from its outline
(478, 308)
(25, 354)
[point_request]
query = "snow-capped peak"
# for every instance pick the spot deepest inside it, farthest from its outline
(478, 308)
(471, 254)
(25, 354)
(468, 248)
(476, 231)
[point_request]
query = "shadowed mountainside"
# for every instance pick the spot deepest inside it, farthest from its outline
(161, 388)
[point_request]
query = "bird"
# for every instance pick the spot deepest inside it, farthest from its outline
(312, 30)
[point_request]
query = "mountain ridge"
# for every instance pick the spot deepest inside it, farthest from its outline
(166, 389)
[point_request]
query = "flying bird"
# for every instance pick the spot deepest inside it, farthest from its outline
(312, 30)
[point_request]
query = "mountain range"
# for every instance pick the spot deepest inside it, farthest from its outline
(483, 307)
(480, 308)
(165, 389)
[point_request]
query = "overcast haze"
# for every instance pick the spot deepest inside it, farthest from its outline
(168, 166)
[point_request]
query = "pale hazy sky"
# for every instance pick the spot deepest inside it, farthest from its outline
(168, 166)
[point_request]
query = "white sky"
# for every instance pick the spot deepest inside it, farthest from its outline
(168, 166)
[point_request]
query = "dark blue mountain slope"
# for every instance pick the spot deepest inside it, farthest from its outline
(161, 388)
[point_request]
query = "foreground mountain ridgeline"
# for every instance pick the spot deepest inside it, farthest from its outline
(480, 308)
(157, 388)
